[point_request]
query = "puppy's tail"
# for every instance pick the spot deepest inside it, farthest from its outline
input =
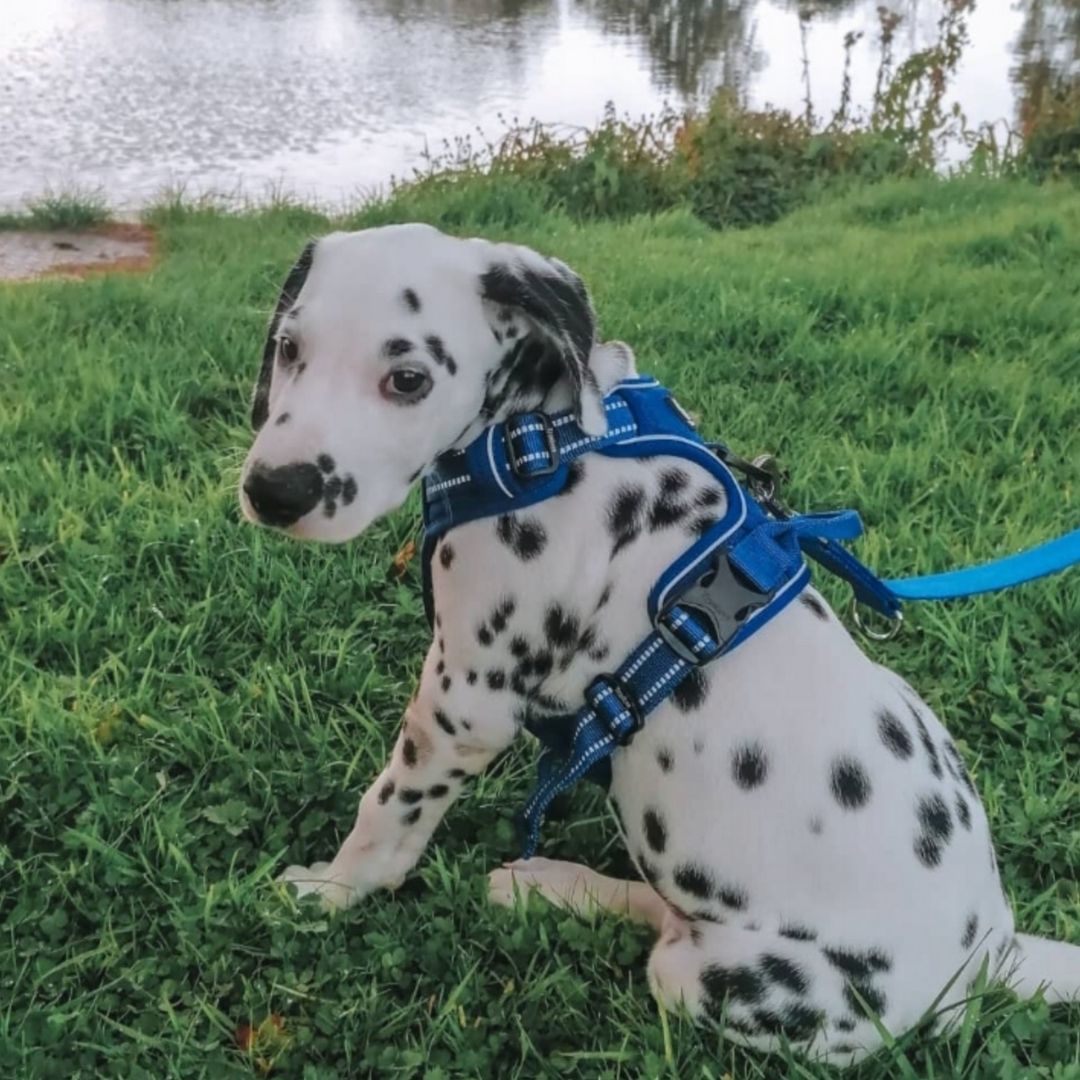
(1036, 962)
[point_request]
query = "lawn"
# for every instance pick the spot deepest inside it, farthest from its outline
(188, 704)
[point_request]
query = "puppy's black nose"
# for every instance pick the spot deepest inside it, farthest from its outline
(282, 496)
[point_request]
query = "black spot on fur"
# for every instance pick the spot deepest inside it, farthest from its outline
(470, 677)
(437, 791)
(672, 481)
(410, 795)
(666, 510)
(446, 555)
(928, 850)
(797, 932)
(784, 973)
(796, 1021)
(749, 765)
(816, 826)
(438, 353)
(325, 463)
(655, 830)
(386, 792)
(605, 596)
(810, 601)
(397, 347)
(525, 536)
(934, 817)
(971, 928)
(691, 693)
(444, 722)
(709, 497)
(496, 679)
(963, 814)
(927, 742)
(732, 896)
(561, 628)
(412, 817)
(440, 667)
(699, 745)
(408, 752)
(737, 984)
(282, 419)
(457, 774)
(858, 964)
(332, 488)
(624, 516)
(445, 683)
(484, 635)
(695, 880)
(874, 998)
(348, 490)
(849, 783)
(412, 301)
(664, 759)
(844, 1023)
(519, 647)
(894, 735)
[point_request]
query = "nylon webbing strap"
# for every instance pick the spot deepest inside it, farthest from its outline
(616, 707)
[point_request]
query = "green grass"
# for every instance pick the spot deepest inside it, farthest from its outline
(77, 209)
(187, 704)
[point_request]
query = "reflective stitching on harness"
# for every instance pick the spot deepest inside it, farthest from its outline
(446, 484)
(571, 447)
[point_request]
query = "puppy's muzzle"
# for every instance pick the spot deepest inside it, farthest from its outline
(282, 496)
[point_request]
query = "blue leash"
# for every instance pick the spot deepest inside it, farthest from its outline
(1037, 562)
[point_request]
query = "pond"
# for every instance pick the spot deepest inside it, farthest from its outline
(328, 99)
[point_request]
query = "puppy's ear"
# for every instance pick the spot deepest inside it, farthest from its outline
(555, 303)
(260, 401)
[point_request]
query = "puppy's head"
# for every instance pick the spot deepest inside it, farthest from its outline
(390, 346)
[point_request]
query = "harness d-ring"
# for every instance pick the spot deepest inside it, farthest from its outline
(896, 624)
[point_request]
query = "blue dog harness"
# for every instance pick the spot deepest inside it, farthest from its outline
(742, 572)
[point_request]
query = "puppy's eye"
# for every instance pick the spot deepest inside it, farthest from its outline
(405, 385)
(290, 351)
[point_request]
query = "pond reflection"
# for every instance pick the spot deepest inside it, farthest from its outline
(329, 97)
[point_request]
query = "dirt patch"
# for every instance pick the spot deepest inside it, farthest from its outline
(26, 255)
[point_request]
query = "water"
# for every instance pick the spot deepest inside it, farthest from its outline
(330, 98)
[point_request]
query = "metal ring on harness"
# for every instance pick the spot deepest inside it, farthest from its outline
(896, 624)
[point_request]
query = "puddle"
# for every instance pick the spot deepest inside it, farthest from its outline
(68, 253)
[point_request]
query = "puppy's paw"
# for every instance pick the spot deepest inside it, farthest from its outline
(313, 880)
(561, 883)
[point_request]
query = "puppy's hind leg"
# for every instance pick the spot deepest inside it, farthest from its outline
(578, 888)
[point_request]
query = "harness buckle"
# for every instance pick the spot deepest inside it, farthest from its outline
(599, 701)
(722, 600)
(521, 469)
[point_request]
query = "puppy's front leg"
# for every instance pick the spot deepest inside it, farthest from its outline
(451, 730)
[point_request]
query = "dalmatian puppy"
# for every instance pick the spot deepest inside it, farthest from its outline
(814, 856)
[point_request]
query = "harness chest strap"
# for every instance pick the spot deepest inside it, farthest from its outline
(723, 588)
